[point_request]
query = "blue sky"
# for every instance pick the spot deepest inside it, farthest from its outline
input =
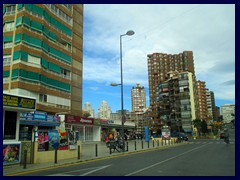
(207, 30)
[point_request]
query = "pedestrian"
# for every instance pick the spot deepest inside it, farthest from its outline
(110, 136)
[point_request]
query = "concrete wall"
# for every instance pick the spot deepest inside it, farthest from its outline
(49, 156)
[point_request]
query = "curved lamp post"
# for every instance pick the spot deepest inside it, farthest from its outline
(129, 33)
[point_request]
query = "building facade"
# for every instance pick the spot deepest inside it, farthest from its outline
(88, 108)
(42, 54)
(176, 101)
(159, 64)
(211, 113)
(138, 94)
(202, 100)
(104, 111)
(228, 112)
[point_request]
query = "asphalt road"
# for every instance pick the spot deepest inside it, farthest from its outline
(197, 158)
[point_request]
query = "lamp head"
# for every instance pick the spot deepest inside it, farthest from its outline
(130, 33)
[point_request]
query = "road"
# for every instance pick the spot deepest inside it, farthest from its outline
(197, 158)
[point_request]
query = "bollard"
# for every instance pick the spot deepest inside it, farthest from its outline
(165, 142)
(142, 144)
(135, 145)
(78, 152)
(25, 159)
(96, 150)
(153, 143)
(55, 158)
(127, 146)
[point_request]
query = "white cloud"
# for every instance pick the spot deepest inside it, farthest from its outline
(207, 30)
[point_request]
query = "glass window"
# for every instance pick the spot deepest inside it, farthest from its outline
(9, 26)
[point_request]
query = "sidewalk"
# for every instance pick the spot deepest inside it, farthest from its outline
(90, 151)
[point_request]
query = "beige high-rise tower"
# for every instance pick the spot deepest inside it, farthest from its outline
(138, 94)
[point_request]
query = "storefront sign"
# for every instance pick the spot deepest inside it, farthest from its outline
(11, 153)
(38, 115)
(104, 121)
(18, 102)
(39, 118)
(77, 119)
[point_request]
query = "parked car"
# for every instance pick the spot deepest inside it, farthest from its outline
(183, 136)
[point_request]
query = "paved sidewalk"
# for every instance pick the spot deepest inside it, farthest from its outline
(89, 153)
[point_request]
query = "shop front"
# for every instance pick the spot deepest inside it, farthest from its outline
(13, 106)
(85, 127)
(115, 126)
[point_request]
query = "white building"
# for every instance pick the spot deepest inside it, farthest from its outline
(88, 108)
(104, 110)
(227, 110)
(138, 98)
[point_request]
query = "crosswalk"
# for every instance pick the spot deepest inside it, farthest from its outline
(232, 141)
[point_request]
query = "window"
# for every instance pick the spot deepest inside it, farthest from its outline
(34, 60)
(10, 124)
(10, 9)
(7, 45)
(42, 98)
(65, 73)
(9, 26)
(6, 60)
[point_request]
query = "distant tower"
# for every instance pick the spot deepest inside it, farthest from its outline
(88, 108)
(104, 110)
(202, 99)
(138, 98)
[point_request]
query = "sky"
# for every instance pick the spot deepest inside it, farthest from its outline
(206, 29)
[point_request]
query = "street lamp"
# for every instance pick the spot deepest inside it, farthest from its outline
(129, 33)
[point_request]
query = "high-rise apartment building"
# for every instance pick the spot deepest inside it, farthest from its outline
(210, 106)
(228, 112)
(176, 101)
(104, 111)
(138, 98)
(202, 100)
(159, 64)
(42, 54)
(88, 108)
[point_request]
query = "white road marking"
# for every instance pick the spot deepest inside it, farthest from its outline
(103, 167)
(148, 167)
(68, 173)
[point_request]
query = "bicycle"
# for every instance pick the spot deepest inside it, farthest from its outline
(115, 145)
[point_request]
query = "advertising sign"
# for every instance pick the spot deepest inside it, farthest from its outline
(78, 119)
(63, 141)
(43, 140)
(38, 115)
(72, 142)
(146, 134)
(19, 102)
(11, 153)
(54, 139)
